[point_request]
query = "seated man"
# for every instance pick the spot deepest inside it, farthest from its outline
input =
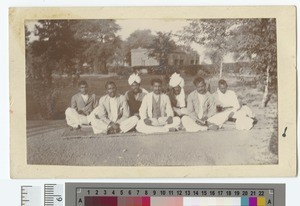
(112, 114)
(156, 112)
(229, 106)
(135, 95)
(201, 109)
(82, 104)
(177, 95)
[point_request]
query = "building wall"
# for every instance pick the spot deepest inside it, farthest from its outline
(183, 59)
(139, 57)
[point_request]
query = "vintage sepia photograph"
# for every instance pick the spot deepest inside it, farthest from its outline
(151, 92)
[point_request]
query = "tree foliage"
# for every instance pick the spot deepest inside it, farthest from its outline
(67, 44)
(161, 46)
(62, 48)
(214, 34)
(102, 41)
(254, 38)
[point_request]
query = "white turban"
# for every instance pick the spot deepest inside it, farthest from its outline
(176, 80)
(134, 78)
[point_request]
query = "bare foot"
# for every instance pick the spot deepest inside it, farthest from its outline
(172, 129)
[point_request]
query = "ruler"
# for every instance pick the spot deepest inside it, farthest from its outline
(99, 194)
(53, 195)
(31, 195)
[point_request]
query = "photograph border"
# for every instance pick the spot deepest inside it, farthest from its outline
(286, 70)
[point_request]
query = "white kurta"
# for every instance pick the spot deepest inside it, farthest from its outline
(201, 98)
(85, 97)
(229, 99)
(181, 99)
(114, 109)
(243, 115)
(158, 124)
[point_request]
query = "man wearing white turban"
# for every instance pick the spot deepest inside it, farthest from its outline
(177, 95)
(135, 95)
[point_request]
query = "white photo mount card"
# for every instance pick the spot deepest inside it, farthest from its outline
(153, 92)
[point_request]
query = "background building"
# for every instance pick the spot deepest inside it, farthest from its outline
(139, 57)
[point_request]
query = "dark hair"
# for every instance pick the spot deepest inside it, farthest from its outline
(109, 83)
(222, 82)
(197, 80)
(156, 80)
(83, 82)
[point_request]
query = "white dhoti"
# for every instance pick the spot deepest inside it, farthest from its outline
(245, 111)
(244, 118)
(74, 119)
(220, 118)
(159, 125)
(99, 126)
(190, 125)
(180, 111)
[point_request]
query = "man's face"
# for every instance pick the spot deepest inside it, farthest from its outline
(223, 88)
(111, 90)
(135, 87)
(177, 90)
(201, 87)
(157, 88)
(83, 89)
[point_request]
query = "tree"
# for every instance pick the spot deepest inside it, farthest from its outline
(102, 41)
(27, 35)
(254, 38)
(138, 38)
(213, 33)
(27, 51)
(160, 48)
(56, 46)
(62, 47)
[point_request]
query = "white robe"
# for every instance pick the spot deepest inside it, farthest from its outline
(229, 99)
(243, 115)
(160, 124)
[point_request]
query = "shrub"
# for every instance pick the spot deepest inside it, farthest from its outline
(120, 70)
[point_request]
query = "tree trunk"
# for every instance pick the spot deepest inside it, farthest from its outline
(96, 66)
(221, 68)
(266, 96)
(104, 69)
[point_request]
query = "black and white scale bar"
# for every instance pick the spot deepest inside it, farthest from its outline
(30, 195)
(53, 195)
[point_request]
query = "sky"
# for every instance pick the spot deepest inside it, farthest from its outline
(155, 25)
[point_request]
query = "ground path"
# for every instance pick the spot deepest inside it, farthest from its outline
(46, 145)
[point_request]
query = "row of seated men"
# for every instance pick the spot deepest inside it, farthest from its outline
(156, 112)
